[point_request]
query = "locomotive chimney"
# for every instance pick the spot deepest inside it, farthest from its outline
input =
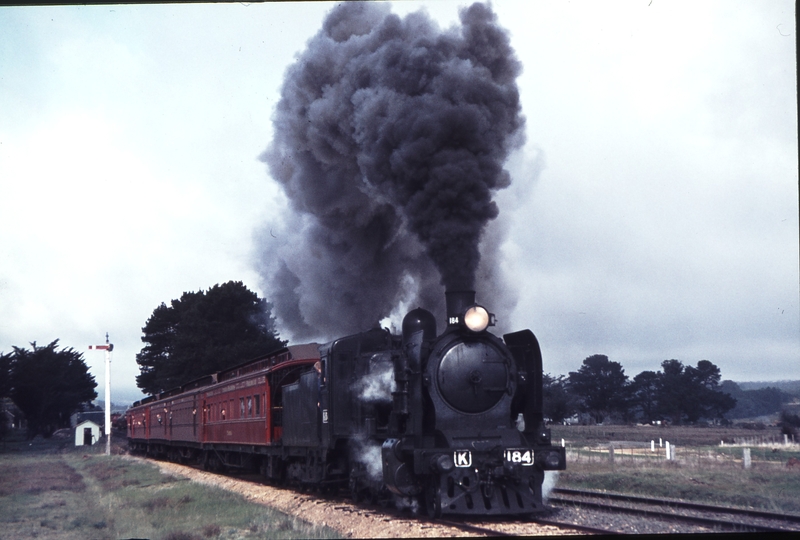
(457, 304)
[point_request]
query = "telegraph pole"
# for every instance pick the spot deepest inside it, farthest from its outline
(108, 347)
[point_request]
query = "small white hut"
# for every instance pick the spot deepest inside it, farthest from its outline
(87, 433)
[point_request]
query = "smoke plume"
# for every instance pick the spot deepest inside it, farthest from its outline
(390, 139)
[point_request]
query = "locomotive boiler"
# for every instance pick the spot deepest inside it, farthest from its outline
(451, 421)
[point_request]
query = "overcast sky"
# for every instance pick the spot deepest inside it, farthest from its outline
(653, 212)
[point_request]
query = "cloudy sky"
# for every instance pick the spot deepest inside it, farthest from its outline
(653, 212)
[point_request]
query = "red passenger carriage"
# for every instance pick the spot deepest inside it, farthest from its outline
(220, 413)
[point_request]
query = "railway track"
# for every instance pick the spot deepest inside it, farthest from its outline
(715, 518)
(362, 520)
(517, 527)
(574, 512)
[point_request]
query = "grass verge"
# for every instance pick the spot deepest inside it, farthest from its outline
(66, 494)
(703, 471)
(770, 489)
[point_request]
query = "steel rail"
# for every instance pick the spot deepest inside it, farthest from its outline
(533, 520)
(696, 520)
(688, 505)
(575, 526)
(471, 528)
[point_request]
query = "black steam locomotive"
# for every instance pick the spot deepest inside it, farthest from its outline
(452, 420)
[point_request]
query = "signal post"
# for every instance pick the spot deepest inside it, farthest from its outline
(108, 347)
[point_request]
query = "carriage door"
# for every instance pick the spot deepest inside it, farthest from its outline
(204, 420)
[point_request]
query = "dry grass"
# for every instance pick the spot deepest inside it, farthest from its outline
(49, 492)
(679, 435)
(701, 469)
(31, 477)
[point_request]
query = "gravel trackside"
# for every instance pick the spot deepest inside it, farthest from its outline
(350, 520)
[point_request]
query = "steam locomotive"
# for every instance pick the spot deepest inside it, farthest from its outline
(452, 421)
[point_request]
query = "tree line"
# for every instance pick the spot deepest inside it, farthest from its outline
(757, 401)
(197, 334)
(677, 393)
(205, 332)
(48, 385)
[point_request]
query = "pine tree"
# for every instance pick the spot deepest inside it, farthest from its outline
(204, 332)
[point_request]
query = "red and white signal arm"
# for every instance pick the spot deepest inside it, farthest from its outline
(109, 347)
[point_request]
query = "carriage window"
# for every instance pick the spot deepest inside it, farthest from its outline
(249, 406)
(258, 404)
(223, 414)
(241, 407)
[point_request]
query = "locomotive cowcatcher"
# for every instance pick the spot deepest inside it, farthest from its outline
(452, 421)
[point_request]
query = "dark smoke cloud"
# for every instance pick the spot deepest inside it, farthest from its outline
(390, 139)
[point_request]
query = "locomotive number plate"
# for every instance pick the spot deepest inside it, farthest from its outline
(462, 458)
(523, 456)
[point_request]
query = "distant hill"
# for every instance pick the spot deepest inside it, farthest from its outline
(790, 387)
(760, 399)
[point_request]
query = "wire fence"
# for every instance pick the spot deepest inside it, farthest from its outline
(752, 452)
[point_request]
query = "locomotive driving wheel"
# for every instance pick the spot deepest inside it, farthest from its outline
(433, 498)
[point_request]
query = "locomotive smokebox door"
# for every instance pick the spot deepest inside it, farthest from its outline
(472, 376)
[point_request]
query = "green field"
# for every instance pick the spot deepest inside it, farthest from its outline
(702, 470)
(51, 490)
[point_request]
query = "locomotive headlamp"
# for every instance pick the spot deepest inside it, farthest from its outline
(477, 318)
